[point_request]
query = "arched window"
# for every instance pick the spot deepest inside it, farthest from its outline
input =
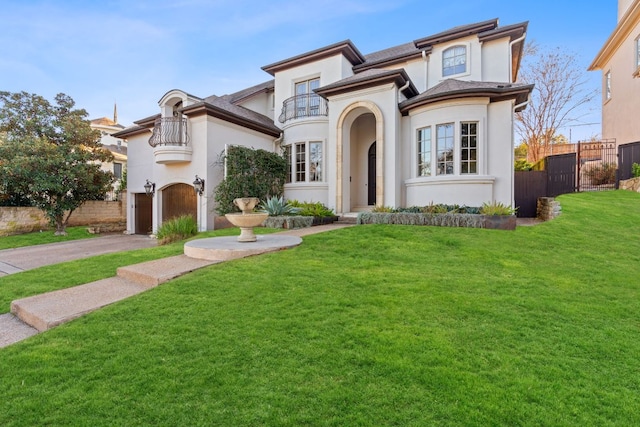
(454, 61)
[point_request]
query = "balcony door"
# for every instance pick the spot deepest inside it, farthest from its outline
(307, 102)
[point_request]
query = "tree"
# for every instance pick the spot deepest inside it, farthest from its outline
(556, 99)
(50, 155)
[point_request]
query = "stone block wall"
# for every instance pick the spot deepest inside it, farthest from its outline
(632, 184)
(548, 208)
(100, 215)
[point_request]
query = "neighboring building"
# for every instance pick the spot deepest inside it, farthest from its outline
(117, 147)
(427, 121)
(619, 61)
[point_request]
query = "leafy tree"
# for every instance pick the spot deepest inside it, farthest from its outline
(50, 155)
(556, 99)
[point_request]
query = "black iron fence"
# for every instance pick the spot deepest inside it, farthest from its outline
(585, 166)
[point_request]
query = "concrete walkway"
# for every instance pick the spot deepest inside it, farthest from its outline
(39, 313)
(29, 257)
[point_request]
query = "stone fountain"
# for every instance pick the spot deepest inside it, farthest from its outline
(247, 219)
(247, 244)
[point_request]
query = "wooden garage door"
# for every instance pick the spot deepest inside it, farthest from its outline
(178, 200)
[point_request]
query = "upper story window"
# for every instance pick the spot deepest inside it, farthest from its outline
(607, 86)
(117, 170)
(637, 52)
(307, 102)
(454, 61)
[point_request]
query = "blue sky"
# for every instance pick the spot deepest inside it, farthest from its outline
(133, 51)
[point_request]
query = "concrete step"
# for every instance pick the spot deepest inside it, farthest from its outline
(51, 309)
(154, 273)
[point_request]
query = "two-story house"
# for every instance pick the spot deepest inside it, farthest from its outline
(619, 61)
(427, 121)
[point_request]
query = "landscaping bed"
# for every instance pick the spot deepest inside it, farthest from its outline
(497, 222)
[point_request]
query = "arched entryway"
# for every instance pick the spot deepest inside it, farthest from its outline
(360, 155)
(178, 200)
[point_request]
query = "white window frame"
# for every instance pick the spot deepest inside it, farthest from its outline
(308, 105)
(425, 151)
(301, 167)
(468, 145)
(445, 144)
(451, 142)
(466, 70)
(607, 85)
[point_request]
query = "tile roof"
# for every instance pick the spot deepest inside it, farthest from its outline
(456, 89)
(223, 108)
(370, 78)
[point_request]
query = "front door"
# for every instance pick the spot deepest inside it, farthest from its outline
(143, 213)
(371, 182)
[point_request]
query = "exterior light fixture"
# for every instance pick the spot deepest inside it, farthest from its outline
(198, 185)
(150, 188)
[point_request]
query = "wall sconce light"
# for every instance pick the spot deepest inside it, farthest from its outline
(198, 185)
(150, 188)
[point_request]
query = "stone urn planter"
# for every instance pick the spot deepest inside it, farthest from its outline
(247, 219)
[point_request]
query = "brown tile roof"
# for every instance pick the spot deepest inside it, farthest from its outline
(367, 79)
(457, 89)
(222, 108)
(244, 94)
(345, 48)
(456, 33)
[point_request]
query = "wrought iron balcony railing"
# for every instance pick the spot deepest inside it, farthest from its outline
(169, 131)
(305, 105)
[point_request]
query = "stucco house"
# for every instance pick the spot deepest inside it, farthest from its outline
(427, 121)
(619, 61)
(118, 147)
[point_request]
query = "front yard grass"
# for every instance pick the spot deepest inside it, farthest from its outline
(366, 326)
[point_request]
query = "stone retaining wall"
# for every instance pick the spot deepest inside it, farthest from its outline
(100, 215)
(548, 208)
(632, 184)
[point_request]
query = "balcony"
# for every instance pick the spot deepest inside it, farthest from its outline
(301, 106)
(170, 140)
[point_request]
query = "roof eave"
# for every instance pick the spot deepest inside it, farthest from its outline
(227, 116)
(520, 94)
(456, 33)
(399, 77)
(345, 48)
(625, 25)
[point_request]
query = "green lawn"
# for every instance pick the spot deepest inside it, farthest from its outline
(364, 326)
(47, 236)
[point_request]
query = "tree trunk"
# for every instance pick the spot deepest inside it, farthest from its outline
(61, 226)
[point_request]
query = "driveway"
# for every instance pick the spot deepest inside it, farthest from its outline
(29, 257)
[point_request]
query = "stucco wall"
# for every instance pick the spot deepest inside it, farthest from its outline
(17, 220)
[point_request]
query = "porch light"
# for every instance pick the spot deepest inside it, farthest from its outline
(198, 185)
(150, 188)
